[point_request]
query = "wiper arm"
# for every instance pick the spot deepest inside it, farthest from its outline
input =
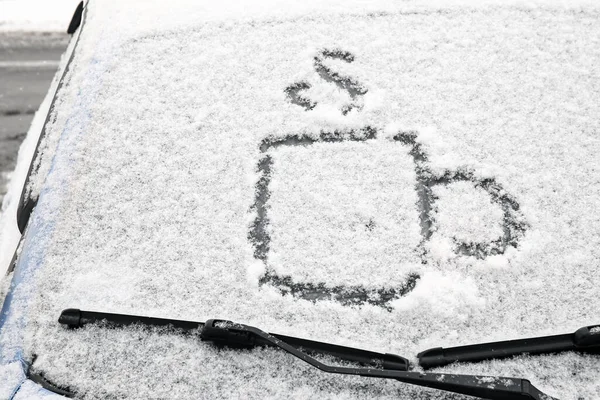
(389, 366)
(78, 318)
(585, 340)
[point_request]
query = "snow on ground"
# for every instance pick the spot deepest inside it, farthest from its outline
(36, 15)
(205, 163)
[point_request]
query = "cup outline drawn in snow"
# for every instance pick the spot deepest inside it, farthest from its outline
(513, 222)
(354, 88)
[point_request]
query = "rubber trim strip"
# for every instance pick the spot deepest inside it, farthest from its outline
(27, 202)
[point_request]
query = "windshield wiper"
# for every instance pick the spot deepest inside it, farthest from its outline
(584, 340)
(379, 365)
(77, 318)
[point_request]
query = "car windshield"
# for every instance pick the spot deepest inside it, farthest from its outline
(392, 177)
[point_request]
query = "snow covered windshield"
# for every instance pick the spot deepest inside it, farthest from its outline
(391, 177)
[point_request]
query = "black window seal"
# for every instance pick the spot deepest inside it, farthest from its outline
(27, 201)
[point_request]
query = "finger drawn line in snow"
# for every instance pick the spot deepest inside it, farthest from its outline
(513, 223)
(354, 88)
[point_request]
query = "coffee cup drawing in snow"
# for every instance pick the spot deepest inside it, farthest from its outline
(348, 216)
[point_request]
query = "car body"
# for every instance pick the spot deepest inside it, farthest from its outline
(390, 176)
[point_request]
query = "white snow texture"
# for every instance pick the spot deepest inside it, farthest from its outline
(174, 120)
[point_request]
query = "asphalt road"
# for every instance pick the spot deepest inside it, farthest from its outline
(28, 62)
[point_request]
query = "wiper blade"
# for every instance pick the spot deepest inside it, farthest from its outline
(391, 367)
(585, 340)
(77, 318)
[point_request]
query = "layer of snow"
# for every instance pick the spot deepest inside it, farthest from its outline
(11, 376)
(32, 391)
(466, 213)
(36, 15)
(150, 172)
(362, 192)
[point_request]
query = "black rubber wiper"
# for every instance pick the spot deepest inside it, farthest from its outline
(584, 340)
(379, 365)
(77, 318)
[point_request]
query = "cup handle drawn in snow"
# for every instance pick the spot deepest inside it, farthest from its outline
(513, 222)
(347, 83)
(513, 225)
